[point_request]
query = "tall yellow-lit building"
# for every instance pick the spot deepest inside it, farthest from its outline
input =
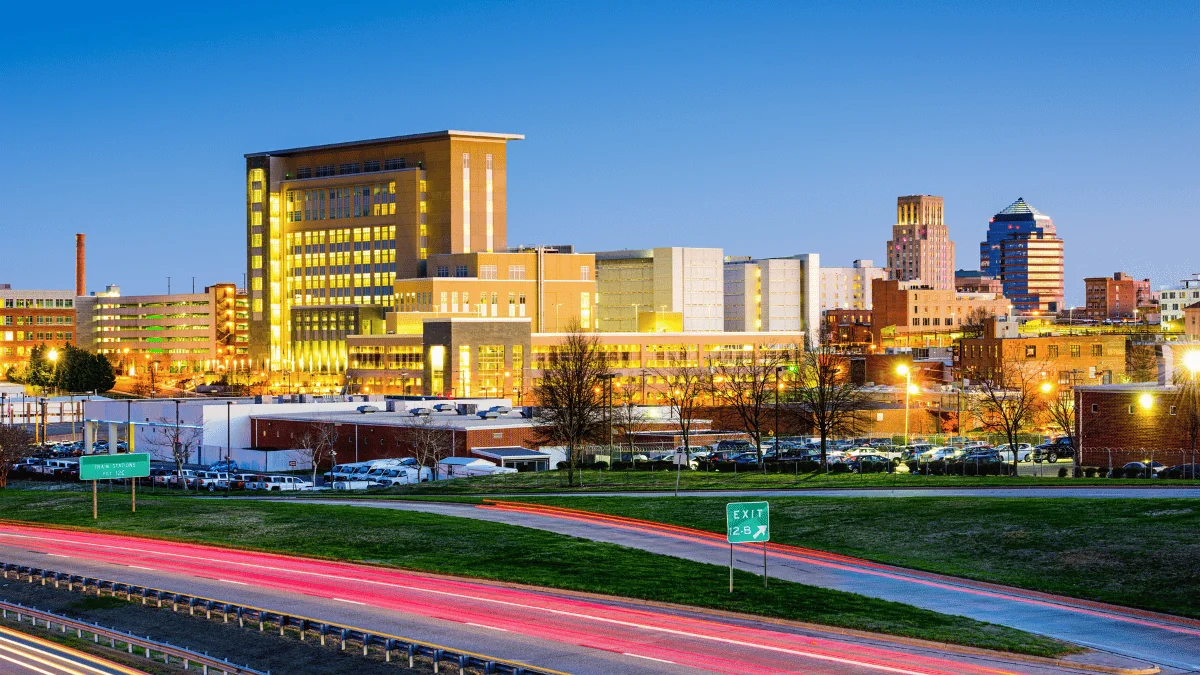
(330, 228)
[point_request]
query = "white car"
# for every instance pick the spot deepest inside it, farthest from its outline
(209, 480)
(1024, 452)
(934, 454)
(286, 483)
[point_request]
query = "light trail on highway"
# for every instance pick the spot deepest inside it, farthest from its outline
(684, 641)
(26, 654)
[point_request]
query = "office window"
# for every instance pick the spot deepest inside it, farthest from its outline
(323, 171)
(393, 164)
(516, 272)
(466, 201)
(487, 271)
(1031, 351)
(371, 165)
(353, 167)
(443, 271)
(1074, 351)
(1053, 351)
(1097, 350)
(585, 273)
(460, 271)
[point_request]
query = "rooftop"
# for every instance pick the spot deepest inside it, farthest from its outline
(410, 138)
(1021, 208)
(439, 420)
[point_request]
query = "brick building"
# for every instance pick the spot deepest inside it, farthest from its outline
(906, 314)
(1191, 321)
(920, 248)
(848, 327)
(1116, 297)
(1065, 359)
(32, 318)
(1133, 423)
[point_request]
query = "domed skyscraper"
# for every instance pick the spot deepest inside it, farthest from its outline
(1024, 252)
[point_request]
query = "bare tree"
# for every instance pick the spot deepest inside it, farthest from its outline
(746, 386)
(628, 417)
(15, 445)
(429, 444)
(1059, 406)
(1008, 399)
(685, 382)
(570, 395)
(974, 322)
(826, 397)
(317, 445)
(1187, 413)
(173, 443)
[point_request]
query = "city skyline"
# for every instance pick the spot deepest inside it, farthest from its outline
(809, 167)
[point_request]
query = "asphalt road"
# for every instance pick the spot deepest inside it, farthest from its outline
(571, 632)
(21, 654)
(1162, 639)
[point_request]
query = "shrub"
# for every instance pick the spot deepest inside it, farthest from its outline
(1118, 472)
(840, 467)
(1090, 472)
(1062, 472)
(562, 466)
(602, 465)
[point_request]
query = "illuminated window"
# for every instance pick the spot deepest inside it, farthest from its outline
(256, 262)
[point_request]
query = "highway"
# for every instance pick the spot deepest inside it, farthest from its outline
(1162, 639)
(869, 492)
(22, 654)
(571, 632)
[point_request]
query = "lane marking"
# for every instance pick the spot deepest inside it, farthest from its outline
(72, 658)
(139, 567)
(352, 602)
(231, 581)
(58, 555)
(26, 666)
(649, 658)
(480, 625)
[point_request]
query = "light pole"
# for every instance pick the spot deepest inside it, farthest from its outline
(904, 370)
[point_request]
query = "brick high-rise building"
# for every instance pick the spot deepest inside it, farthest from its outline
(1023, 251)
(920, 248)
(330, 228)
(1115, 297)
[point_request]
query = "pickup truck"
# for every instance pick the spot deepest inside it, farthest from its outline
(1051, 452)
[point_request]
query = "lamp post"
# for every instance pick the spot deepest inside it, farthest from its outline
(1191, 361)
(904, 370)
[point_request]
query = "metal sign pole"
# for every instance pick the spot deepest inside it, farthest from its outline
(731, 568)
(95, 516)
(133, 503)
(764, 564)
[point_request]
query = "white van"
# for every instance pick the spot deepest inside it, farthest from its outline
(286, 483)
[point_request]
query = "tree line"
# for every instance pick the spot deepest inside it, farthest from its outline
(72, 370)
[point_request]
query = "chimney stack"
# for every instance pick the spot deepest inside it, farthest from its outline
(80, 266)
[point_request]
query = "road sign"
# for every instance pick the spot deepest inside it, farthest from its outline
(106, 467)
(747, 522)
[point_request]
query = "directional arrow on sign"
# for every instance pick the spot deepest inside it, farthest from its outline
(762, 529)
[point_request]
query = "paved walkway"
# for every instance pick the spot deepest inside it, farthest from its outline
(1162, 639)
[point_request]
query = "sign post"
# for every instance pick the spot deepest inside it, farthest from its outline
(108, 467)
(747, 522)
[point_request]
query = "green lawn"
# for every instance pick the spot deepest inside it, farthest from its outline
(490, 550)
(1134, 552)
(609, 481)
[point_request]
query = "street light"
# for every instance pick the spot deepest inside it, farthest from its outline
(1191, 361)
(906, 372)
(53, 356)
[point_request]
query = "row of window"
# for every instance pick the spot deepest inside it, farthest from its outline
(319, 271)
(38, 320)
(354, 201)
(347, 168)
(38, 303)
(1052, 351)
(30, 336)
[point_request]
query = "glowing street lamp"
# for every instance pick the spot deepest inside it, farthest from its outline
(1191, 361)
(909, 390)
(1146, 401)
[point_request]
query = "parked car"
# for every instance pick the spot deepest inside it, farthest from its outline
(1051, 452)
(286, 483)
(867, 463)
(159, 477)
(1024, 452)
(229, 465)
(1138, 469)
(934, 454)
(60, 468)
(249, 481)
(746, 459)
(1181, 471)
(181, 478)
(207, 480)
(733, 446)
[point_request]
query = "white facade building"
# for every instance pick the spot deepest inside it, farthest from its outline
(673, 288)
(1175, 299)
(849, 287)
(773, 294)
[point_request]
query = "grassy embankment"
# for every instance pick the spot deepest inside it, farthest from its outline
(489, 550)
(1136, 552)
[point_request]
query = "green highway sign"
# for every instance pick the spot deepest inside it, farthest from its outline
(747, 522)
(106, 467)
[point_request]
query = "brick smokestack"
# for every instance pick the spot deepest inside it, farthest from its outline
(80, 265)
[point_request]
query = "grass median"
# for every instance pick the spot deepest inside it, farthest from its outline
(487, 550)
(1138, 552)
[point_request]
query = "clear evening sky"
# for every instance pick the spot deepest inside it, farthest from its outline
(764, 129)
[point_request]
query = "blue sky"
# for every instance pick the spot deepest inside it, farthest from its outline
(765, 129)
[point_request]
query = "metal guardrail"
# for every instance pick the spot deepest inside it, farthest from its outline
(132, 642)
(301, 625)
